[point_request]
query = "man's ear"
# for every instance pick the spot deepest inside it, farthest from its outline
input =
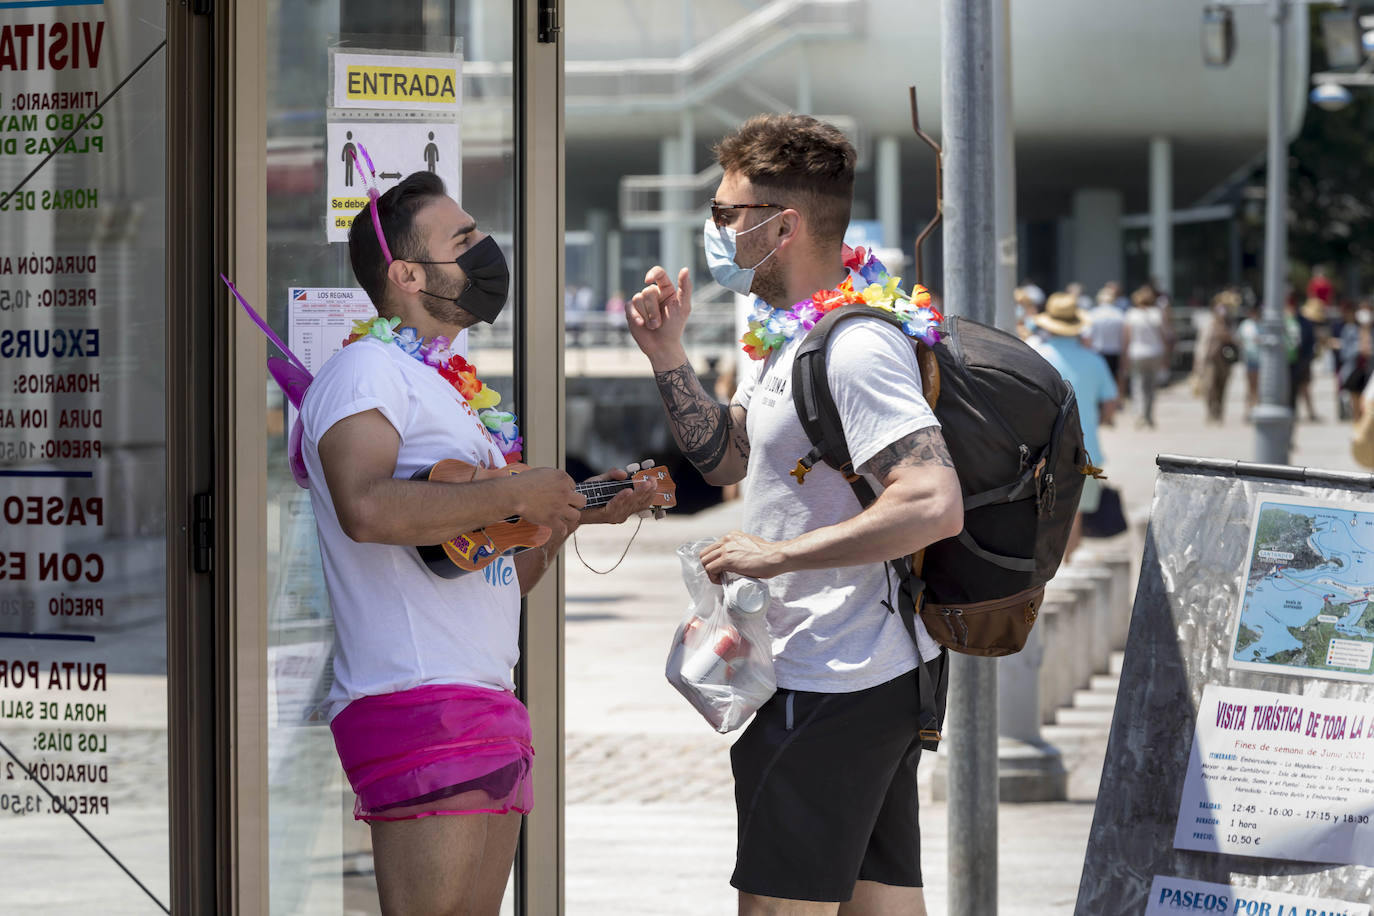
(790, 226)
(405, 275)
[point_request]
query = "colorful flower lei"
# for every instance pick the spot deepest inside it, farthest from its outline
(770, 328)
(458, 372)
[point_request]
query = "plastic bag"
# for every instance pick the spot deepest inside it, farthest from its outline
(721, 658)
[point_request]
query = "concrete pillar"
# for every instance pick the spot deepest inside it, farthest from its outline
(615, 285)
(1064, 263)
(598, 226)
(1018, 690)
(670, 233)
(1097, 250)
(805, 100)
(888, 175)
(1162, 213)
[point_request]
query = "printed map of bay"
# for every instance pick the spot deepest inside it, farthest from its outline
(1307, 597)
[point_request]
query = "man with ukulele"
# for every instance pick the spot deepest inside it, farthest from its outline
(422, 708)
(825, 774)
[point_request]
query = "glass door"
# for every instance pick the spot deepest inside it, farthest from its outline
(421, 85)
(84, 816)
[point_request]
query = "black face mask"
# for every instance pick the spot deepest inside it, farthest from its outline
(488, 280)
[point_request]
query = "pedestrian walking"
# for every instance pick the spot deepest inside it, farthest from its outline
(1305, 321)
(1218, 353)
(1092, 381)
(1247, 334)
(1143, 342)
(1106, 328)
(1352, 347)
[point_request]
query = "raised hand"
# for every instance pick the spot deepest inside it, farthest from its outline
(657, 315)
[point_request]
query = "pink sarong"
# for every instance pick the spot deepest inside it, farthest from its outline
(439, 749)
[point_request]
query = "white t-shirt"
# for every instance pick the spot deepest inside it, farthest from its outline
(397, 625)
(1105, 328)
(830, 631)
(1146, 324)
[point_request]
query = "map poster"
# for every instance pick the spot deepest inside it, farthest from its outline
(1305, 607)
(1280, 776)
(1170, 896)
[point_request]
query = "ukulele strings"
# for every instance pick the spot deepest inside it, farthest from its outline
(599, 493)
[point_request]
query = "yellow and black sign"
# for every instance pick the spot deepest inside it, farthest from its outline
(367, 83)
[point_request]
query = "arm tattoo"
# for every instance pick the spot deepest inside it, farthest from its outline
(923, 447)
(739, 432)
(700, 423)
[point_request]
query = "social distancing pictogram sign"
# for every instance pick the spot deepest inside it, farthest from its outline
(404, 110)
(397, 148)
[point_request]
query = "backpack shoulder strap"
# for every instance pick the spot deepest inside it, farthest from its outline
(820, 418)
(815, 404)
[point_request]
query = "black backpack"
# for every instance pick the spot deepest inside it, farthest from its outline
(1011, 424)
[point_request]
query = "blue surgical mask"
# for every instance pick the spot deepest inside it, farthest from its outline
(720, 256)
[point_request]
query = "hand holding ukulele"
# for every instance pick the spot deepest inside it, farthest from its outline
(608, 498)
(548, 497)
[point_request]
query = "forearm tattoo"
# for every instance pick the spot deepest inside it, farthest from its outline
(923, 447)
(739, 435)
(701, 424)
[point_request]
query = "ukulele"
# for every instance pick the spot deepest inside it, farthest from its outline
(478, 549)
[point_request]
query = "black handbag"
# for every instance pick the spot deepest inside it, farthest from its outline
(1109, 519)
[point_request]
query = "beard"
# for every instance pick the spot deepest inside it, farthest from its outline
(439, 304)
(768, 284)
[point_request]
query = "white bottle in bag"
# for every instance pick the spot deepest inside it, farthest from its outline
(717, 661)
(745, 595)
(709, 663)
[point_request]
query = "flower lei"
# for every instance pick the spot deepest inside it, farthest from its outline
(458, 372)
(770, 327)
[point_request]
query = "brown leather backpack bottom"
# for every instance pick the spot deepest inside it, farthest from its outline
(987, 628)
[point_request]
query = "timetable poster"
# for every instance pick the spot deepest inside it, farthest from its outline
(1280, 776)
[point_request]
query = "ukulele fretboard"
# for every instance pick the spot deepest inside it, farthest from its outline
(599, 492)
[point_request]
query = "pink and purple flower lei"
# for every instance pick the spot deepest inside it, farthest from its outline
(770, 328)
(458, 372)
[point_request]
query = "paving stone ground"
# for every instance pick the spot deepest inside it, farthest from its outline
(650, 819)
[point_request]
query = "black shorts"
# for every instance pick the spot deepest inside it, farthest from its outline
(825, 791)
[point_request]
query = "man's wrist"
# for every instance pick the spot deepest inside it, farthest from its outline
(667, 359)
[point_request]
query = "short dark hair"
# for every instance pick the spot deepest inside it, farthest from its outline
(397, 209)
(807, 162)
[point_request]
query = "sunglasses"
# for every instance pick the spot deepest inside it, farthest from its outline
(721, 215)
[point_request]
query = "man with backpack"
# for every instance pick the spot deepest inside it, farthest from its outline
(825, 775)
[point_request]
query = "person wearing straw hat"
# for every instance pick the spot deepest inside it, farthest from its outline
(1062, 325)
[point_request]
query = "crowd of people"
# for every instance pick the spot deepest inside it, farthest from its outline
(1135, 337)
